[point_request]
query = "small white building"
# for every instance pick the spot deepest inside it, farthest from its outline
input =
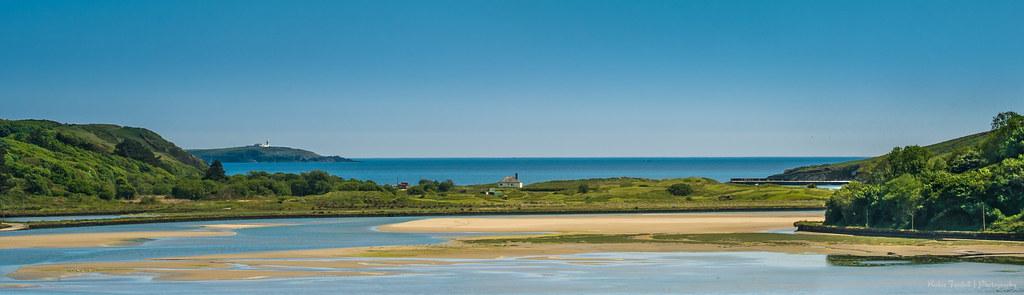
(264, 145)
(510, 182)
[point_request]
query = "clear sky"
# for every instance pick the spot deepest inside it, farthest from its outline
(520, 78)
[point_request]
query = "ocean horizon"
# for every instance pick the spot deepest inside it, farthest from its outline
(481, 170)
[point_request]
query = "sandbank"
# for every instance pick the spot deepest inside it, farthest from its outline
(77, 240)
(243, 225)
(612, 224)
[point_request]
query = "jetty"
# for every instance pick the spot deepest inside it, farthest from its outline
(757, 181)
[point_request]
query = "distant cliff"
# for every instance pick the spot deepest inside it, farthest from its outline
(257, 154)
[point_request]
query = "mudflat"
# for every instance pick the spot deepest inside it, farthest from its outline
(613, 223)
(78, 240)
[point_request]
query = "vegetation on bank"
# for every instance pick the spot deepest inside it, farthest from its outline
(969, 187)
(347, 197)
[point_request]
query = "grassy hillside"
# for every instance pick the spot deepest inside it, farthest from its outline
(247, 154)
(53, 159)
(867, 169)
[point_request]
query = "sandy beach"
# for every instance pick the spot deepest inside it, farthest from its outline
(78, 240)
(613, 223)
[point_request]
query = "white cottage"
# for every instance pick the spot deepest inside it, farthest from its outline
(510, 182)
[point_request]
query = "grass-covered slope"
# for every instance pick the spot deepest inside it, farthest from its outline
(48, 158)
(865, 169)
(246, 154)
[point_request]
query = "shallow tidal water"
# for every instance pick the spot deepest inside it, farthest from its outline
(593, 273)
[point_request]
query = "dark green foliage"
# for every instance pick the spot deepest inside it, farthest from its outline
(124, 189)
(939, 200)
(134, 150)
(215, 172)
(190, 189)
(428, 186)
(416, 190)
(1003, 119)
(445, 186)
(680, 189)
(311, 183)
(907, 160)
(982, 187)
(965, 161)
(583, 188)
(1008, 140)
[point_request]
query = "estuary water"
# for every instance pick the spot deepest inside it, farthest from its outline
(489, 170)
(618, 273)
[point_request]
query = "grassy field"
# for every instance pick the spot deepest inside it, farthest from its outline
(603, 195)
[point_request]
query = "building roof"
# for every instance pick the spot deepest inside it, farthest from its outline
(509, 179)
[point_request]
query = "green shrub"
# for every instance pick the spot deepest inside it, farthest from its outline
(680, 189)
(583, 188)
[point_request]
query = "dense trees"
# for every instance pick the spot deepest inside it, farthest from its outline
(265, 184)
(429, 186)
(906, 160)
(982, 187)
(216, 171)
(1003, 119)
(132, 149)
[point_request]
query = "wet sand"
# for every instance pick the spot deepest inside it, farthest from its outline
(78, 240)
(612, 224)
(243, 225)
(364, 261)
(725, 232)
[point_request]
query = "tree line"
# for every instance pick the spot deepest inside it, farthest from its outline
(979, 187)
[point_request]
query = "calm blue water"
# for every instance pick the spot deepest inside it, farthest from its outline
(606, 273)
(489, 170)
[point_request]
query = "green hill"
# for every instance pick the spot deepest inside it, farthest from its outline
(970, 183)
(866, 169)
(256, 153)
(40, 157)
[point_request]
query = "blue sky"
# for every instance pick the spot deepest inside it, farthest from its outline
(520, 78)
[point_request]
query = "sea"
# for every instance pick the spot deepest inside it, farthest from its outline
(468, 171)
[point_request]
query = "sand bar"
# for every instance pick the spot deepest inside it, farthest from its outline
(384, 260)
(612, 224)
(77, 240)
(234, 226)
